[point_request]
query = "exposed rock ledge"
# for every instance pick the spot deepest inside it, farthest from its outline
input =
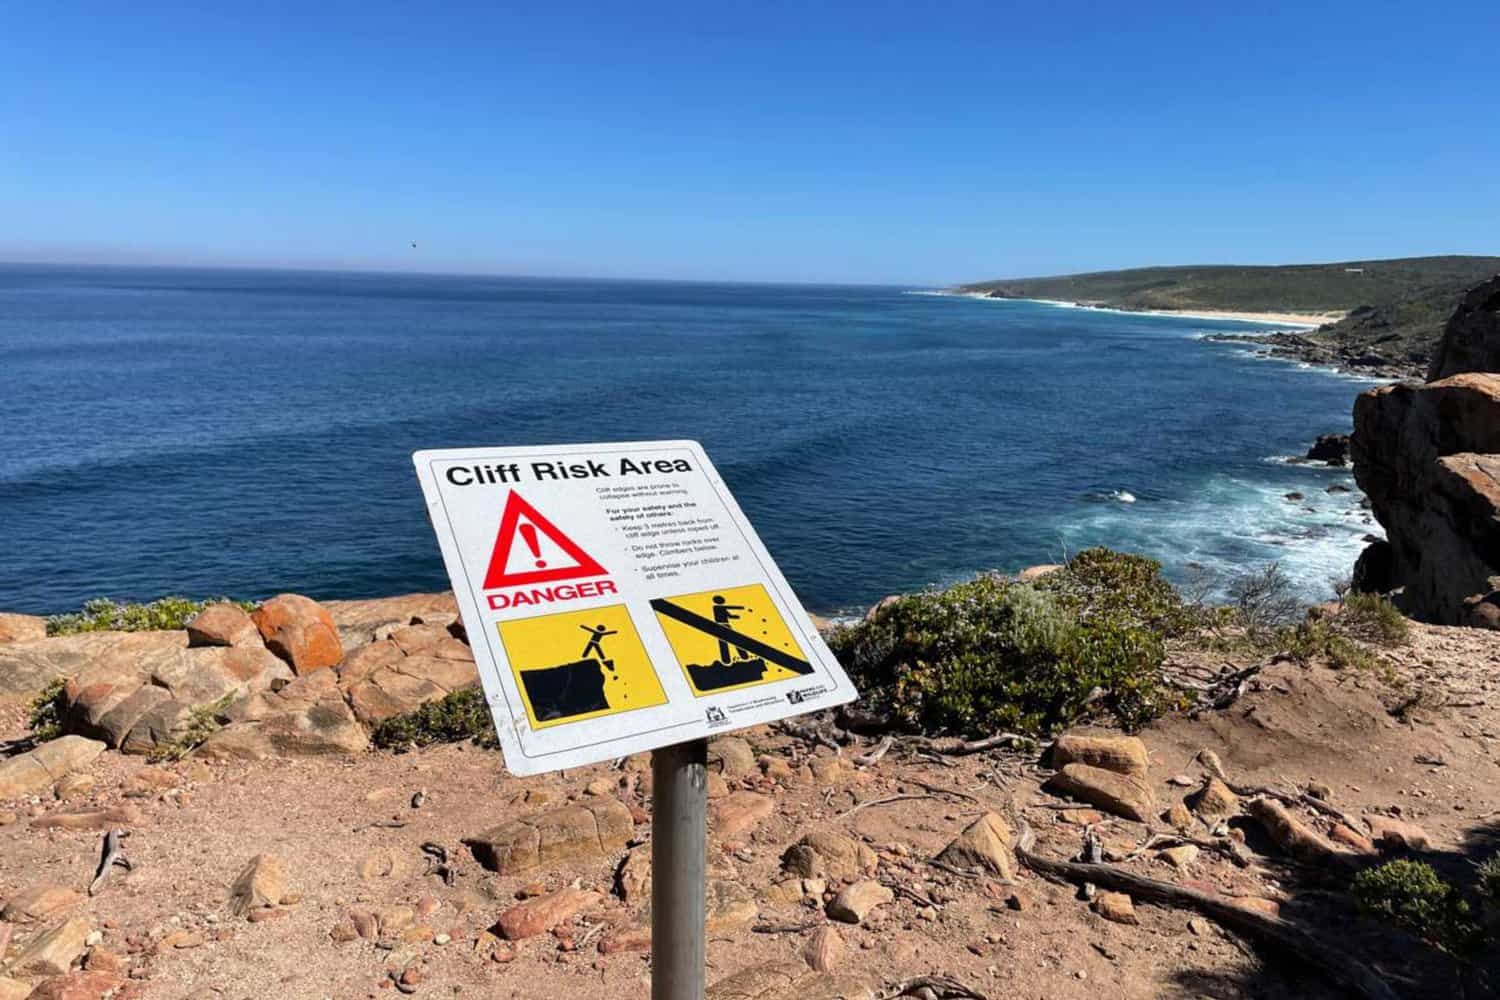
(1428, 457)
(142, 691)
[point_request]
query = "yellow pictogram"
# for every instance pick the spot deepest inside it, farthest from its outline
(730, 638)
(580, 665)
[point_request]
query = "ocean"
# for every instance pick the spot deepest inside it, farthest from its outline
(208, 432)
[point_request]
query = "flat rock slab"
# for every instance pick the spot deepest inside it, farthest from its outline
(362, 621)
(788, 981)
(26, 667)
(54, 951)
(1108, 790)
(740, 812)
(39, 902)
(542, 913)
(36, 770)
(94, 819)
(557, 836)
(22, 628)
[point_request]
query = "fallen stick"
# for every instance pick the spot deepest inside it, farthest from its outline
(868, 759)
(110, 855)
(1332, 962)
(879, 802)
(941, 789)
(955, 747)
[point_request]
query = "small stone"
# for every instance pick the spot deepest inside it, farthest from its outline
(343, 931)
(1319, 790)
(1341, 834)
(1018, 902)
(740, 812)
(259, 885)
(1181, 856)
(1198, 927)
(986, 844)
(536, 916)
(824, 950)
(599, 786)
(1178, 817)
(441, 938)
(1116, 907)
(1397, 835)
(855, 902)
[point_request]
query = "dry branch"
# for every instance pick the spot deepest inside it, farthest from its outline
(1331, 961)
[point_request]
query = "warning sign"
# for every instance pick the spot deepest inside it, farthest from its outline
(730, 638)
(512, 563)
(617, 599)
(580, 665)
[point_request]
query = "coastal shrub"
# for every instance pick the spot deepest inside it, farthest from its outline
(1489, 880)
(105, 615)
(1373, 618)
(1264, 601)
(45, 717)
(1316, 640)
(462, 715)
(994, 654)
(1413, 895)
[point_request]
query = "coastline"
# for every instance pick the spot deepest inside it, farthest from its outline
(1288, 341)
(1308, 321)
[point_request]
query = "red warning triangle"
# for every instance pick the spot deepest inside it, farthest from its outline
(512, 525)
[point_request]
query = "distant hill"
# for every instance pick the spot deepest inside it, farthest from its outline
(1396, 307)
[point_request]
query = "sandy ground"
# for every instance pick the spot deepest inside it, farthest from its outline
(1425, 745)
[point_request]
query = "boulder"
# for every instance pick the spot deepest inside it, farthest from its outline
(38, 769)
(1471, 339)
(1394, 835)
(26, 667)
(223, 625)
(542, 913)
(363, 621)
(1330, 448)
(1114, 793)
(583, 832)
(828, 854)
(855, 902)
(1428, 458)
(1373, 569)
(1121, 754)
(79, 985)
(53, 952)
(985, 843)
(22, 628)
(300, 631)
(39, 903)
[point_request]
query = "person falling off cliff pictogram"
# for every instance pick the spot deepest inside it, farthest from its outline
(724, 613)
(594, 649)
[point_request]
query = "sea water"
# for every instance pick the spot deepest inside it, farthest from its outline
(210, 432)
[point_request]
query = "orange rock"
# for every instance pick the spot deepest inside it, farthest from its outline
(300, 631)
(740, 812)
(1116, 907)
(1341, 834)
(222, 625)
(89, 985)
(539, 915)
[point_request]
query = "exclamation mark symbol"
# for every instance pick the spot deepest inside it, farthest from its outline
(528, 532)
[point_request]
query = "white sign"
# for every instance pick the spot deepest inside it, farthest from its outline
(616, 600)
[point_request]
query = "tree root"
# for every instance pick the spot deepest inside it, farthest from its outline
(1327, 959)
(932, 988)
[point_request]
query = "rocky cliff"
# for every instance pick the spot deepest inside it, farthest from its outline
(1428, 457)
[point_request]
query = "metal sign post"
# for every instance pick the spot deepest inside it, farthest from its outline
(679, 833)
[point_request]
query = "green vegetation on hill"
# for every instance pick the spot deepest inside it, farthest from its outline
(1396, 308)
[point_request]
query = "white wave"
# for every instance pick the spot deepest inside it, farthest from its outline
(1124, 496)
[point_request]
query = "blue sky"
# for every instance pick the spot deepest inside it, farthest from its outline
(868, 142)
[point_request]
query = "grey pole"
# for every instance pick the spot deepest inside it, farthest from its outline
(679, 829)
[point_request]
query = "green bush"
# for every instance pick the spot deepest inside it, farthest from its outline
(1489, 880)
(104, 615)
(45, 718)
(1413, 895)
(993, 654)
(462, 715)
(1373, 618)
(1320, 640)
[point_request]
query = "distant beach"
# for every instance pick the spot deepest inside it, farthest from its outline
(1306, 321)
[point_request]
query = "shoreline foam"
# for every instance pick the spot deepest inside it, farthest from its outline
(1306, 321)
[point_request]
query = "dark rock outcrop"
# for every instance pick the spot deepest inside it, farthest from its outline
(1330, 448)
(1428, 458)
(1471, 340)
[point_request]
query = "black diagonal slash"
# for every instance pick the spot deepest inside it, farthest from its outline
(729, 635)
